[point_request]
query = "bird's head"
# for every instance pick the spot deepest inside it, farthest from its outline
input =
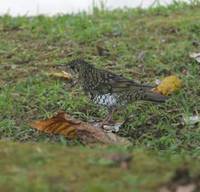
(76, 66)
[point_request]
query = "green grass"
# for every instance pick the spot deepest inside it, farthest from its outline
(30, 47)
(57, 168)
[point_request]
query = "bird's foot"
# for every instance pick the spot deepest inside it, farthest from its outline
(112, 128)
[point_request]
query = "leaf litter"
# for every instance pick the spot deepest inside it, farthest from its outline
(195, 56)
(182, 181)
(71, 128)
(191, 120)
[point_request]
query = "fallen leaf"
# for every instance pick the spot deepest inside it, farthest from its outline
(181, 188)
(71, 128)
(113, 128)
(195, 56)
(186, 188)
(62, 75)
(182, 181)
(169, 85)
(59, 124)
(191, 120)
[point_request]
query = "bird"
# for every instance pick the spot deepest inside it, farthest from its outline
(109, 89)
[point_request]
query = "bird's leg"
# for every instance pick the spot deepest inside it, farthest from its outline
(109, 118)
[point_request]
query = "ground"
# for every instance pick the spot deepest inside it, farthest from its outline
(144, 45)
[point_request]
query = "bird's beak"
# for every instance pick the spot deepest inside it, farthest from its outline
(64, 67)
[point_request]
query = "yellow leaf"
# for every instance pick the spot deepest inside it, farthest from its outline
(169, 85)
(62, 74)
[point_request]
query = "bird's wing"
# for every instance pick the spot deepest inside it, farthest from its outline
(112, 83)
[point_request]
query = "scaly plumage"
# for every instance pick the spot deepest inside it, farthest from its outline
(109, 89)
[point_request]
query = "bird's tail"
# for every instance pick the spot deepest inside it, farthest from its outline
(155, 97)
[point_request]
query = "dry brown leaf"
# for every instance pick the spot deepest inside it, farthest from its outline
(182, 181)
(59, 124)
(71, 128)
(181, 188)
(62, 75)
(186, 188)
